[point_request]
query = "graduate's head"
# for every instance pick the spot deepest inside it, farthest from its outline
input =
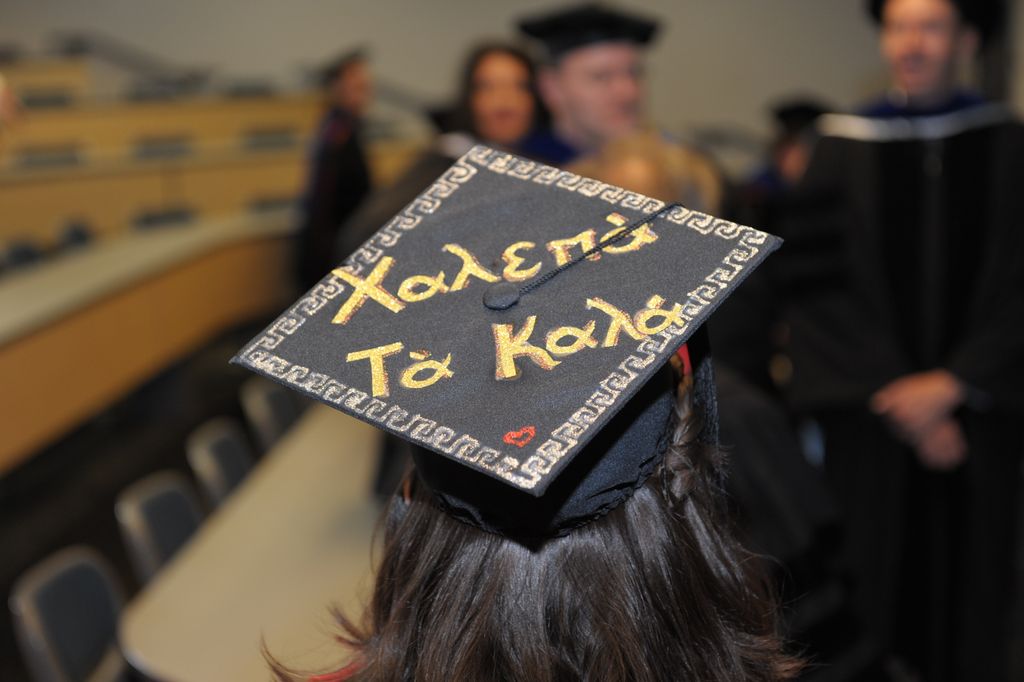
(652, 590)
(348, 82)
(515, 324)
(655, 588)
(593, 78)
(925, 42)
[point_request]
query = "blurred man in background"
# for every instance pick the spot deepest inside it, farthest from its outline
(592, 81)
(339, 178)
(907, 297)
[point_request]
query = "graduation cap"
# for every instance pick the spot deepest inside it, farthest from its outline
(514, 322)
(575, 27)
(795, 116)
(984, 15)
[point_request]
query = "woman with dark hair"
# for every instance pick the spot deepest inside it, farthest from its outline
(497, 105)
(655, 590)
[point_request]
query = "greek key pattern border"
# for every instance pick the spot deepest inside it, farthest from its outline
(260, 354)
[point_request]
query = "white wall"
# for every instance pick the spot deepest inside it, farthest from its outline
(1017, 47)
(716, 62)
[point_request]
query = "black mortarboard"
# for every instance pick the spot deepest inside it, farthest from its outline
(515, 321)
(984, 15)
(797, 115)
(574, 27)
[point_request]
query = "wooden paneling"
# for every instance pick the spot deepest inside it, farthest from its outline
(233, 185)
(39, 207)
(32, 76)
(38, 204)
(66, 372)
(116, 128)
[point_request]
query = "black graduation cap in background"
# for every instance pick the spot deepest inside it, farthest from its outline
(570, 28)
(506, 317)
(794, 116)
(985, 15)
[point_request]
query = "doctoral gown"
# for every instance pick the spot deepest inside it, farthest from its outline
(904, 254)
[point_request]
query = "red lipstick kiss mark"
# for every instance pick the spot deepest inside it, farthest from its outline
(521, 437)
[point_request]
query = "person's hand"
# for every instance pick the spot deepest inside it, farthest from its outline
(942, 447)
(915, 403)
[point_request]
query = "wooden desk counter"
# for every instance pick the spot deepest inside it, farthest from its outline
(109, 195)
(115, 127)
(68, 75)
(293, 540)
(78, 333)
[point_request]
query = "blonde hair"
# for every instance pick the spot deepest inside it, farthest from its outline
(647, 163)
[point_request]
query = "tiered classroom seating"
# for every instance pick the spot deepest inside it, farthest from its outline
(114, 165)
(48, 82)
(79, 333)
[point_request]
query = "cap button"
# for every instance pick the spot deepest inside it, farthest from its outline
(501, 296)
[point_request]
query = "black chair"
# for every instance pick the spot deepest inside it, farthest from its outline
(50, 156)
(250, 88)
(270, 139)
(269, 408)
(165, 217)
(65, 613)
(220, 457)
(47, 98)
(75, 235)
(22, 253)
(157, 515)
(162, 148)
(270, 204)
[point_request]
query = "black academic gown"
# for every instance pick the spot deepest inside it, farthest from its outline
(385, 203)
(904, 254)
(339, 179)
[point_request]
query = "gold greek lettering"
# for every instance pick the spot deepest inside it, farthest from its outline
(642, 320)
(438, 370)
(619, 322)
(366, 288)
(470, 268)
(636, 240)
(616, 219)
(508, 345)
(378, 373)
(561, 248)
(582, 338)
(408, 293)
(512, 273)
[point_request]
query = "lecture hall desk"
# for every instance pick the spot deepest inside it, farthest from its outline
(293, 540)
(82, 331)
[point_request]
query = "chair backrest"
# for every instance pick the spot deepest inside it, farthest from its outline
(220, 457)
(157, 515)
(76, 234)
(23, 252)
(269, 408)
(65, 611)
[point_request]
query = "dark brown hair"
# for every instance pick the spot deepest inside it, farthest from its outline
(460, 117)
(656, 590)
